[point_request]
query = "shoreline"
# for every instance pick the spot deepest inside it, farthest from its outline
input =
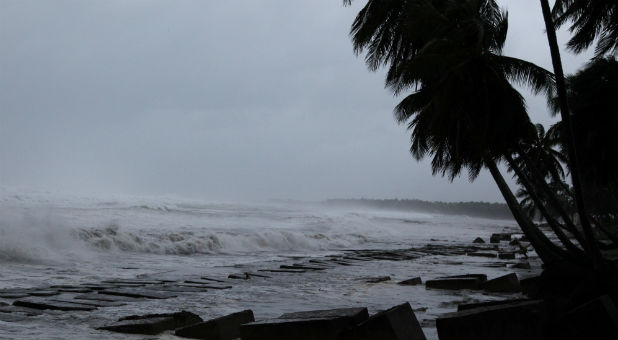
(293, 272)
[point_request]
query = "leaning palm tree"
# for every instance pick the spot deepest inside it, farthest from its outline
(538, 160)
(567, 134)
(530, 207)
(544, 149)
(541, 159)
(464, 113)
(590, 21)
(527, 204)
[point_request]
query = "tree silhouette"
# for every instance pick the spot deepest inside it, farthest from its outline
(567, 135)
(464, 112)
(590, 21)
(544, 149)
(591, 94)
(527, 203)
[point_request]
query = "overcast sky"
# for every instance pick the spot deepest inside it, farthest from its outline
(228, 100)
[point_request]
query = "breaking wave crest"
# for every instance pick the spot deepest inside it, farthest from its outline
(52, 242)
(114, 238)
(40, 230)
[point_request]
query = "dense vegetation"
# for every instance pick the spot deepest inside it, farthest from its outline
(477, 209)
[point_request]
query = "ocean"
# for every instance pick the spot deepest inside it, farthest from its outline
(49, 239)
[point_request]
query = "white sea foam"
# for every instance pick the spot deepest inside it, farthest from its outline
(39, 228)
(115, 238)
(36, 238)
(44, 227)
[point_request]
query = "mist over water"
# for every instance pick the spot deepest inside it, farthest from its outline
(47, 227)
(35, 237)
(50, 228)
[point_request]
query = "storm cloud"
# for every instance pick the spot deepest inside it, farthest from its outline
(214, 99)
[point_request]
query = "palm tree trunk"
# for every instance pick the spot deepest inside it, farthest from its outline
(568, 132)
(539, 241)
(554, 225)
(551, 196)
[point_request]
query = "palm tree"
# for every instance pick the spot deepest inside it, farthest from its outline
(527, 204)
(543, 149)
(591, 95)
(563, 193)
(590, 21)
(543, 201)
(567, 133)
(536, 194)
(465, 113)
(538, 160)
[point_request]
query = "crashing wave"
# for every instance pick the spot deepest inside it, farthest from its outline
(113, 238)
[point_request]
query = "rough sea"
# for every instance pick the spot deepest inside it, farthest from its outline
(50, 239)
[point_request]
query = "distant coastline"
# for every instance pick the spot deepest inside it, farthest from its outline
(476, 209)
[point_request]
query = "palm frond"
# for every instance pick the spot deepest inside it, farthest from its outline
(412, 104)
(527, 74)
(590, 21)
(498, 38)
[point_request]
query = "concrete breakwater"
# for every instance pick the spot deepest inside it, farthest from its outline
(114, 296)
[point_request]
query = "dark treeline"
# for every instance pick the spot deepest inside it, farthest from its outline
(477, 209)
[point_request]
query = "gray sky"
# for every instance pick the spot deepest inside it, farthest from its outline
(225, 100)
